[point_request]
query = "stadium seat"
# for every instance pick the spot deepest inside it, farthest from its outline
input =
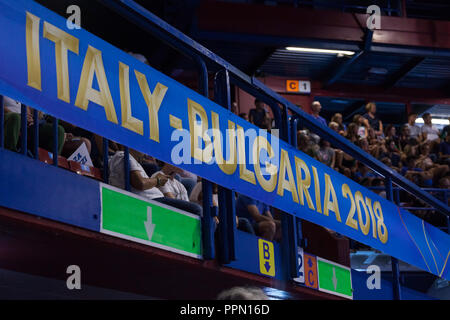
(47, 157)
(85, 170)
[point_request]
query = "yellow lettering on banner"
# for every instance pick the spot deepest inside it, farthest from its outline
(372, 217)
(227, 166)
(153, 101)
(244, 173)
(93, 64)
(330, 205)
(33, 52)
(199, 130)
(317, 189)
(260, 144)
(347, 193)
(303, 184)
(63, 42)
(285, 164)
(365, 227)
(128, 121)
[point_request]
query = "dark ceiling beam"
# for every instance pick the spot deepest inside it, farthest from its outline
(259, 62)
(213, 16)
(403, 72)
(352, 109)
(345, 66)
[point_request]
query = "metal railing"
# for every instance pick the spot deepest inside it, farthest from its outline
(225, 75)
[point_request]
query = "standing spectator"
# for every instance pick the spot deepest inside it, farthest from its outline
(258, 116)
(414, 130)
(372, 119)
(430, 132)
(316, 107)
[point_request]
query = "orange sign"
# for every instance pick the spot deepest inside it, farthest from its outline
(311, 279)
(292, 85)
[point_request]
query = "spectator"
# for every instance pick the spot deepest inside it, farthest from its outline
(444, 150)
(316, 107)
(372, 119)
(196, 196)
(337, 117)
(259, 216)
(361, 124)
(234, 108)
(258, 116)
(172, 188)
(244, 116)
(326, 154)
(414, 130)
(429, 132)
(12, 123)
(142, 184)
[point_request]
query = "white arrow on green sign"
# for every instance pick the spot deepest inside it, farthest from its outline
(334, 278)
(131, 217)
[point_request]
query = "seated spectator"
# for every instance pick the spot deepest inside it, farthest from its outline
(334, 126)
(337, 118)
(141, 184)
(352, 132)
(306, 144)
(444, 150)
(259, 216)
(12, 124)
(372, 119)
(326, 154)
(361, 124)
(75, 137)
(172, 188)
(197, 196)
(12, 110)
(244, 116)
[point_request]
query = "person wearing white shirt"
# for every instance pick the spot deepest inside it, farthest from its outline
(414, 130)
(430, 131)
(141, 184)
(172, 188)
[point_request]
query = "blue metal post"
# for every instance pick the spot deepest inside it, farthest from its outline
(395, 268)
(36, 134)
(23, 128)
(231, 214)
(223, 228)
(227, 212)
(55, 142)
(126, 168)
(207, 222)
(2, 121)
(105, 160)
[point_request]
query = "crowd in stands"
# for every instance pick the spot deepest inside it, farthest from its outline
(420, 154)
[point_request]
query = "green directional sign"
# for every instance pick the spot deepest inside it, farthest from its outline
(334, 278)
(128, 216)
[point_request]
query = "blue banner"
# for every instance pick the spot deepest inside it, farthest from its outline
(75, 76)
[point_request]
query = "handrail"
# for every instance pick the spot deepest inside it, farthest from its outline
(175, 38)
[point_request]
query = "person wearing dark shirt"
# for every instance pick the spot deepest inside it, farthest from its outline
(372, 119)
(259, 215)
(444, 150)
(258, 115)
(315, 109)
